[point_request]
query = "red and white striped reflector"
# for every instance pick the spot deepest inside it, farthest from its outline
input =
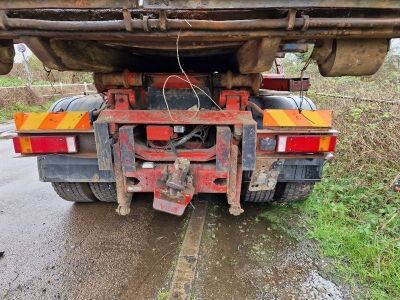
(306, 143)
(45, 144)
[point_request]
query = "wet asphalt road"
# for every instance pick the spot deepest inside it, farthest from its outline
(58, 250)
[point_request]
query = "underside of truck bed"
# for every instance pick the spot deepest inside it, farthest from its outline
(240, 36)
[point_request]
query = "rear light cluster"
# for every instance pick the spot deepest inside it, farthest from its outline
(45, 144)
(299, 143)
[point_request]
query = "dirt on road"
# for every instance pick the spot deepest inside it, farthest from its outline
(55, 249)
(58, 250)
(257, 257)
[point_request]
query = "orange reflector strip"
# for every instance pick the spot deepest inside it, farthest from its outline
(74, 120)
(25, 144)
(324, 143)
(293, 118)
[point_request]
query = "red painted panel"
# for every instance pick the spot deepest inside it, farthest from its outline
(159, 133)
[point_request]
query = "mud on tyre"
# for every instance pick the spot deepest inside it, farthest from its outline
(257, 197)
(254, 197)
(293, 191)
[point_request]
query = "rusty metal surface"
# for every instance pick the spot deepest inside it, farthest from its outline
(151, 154)
(127, 144)
(7, 54)
(114, 36)
(224, 137)
(193, 24)
(265, 174)
(201, 4)
(197, 4)
(19, 4)
(359, 57)
(204, 178)
(125, 79)
(234, 182)
(209, 117)
(209, 36)
(249, 145)
(123, 198)
(103, 146)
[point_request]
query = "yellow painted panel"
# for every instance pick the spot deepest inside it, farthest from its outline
(70, 120)
(281, 118)
(32, 121)
(294, 118)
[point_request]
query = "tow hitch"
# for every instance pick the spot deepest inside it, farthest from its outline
(175, 189)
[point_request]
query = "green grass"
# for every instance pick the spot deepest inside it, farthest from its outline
(356, 221)
(353, 214)
(11, 81)
(162, 294)
(7, 113)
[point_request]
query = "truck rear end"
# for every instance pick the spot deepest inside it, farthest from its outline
(184, 106)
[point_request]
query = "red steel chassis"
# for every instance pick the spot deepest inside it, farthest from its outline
(214, 170)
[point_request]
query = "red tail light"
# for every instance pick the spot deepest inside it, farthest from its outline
(45, 144)
(306, 144)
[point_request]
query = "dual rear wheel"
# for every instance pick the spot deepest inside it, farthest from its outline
(106, 192)
(86, 192)
(284, 192)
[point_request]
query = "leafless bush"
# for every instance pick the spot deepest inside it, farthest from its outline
(40, 74)
(369, 131)
(39, 94)
(369, 135)
(24, 94)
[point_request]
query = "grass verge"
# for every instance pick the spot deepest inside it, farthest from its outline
(353, 214)
(7, 113)
(357, 223)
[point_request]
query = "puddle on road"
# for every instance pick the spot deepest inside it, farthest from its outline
(249, 257)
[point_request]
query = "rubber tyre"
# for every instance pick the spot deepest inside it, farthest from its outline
(294, 191)
(74, 191)
(256, 197)
(104, 191)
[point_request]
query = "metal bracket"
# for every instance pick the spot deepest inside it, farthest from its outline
(224, 140)
(127, 19)
(249, 146)
(265, 175)
(103, 146)
(127, 148)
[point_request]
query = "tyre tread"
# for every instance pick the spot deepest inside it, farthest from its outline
(296, 191)
(104, 191)
(74, 191)
(258, 196)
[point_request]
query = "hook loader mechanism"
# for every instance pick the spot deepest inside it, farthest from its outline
(177, 152)
(184, 105)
